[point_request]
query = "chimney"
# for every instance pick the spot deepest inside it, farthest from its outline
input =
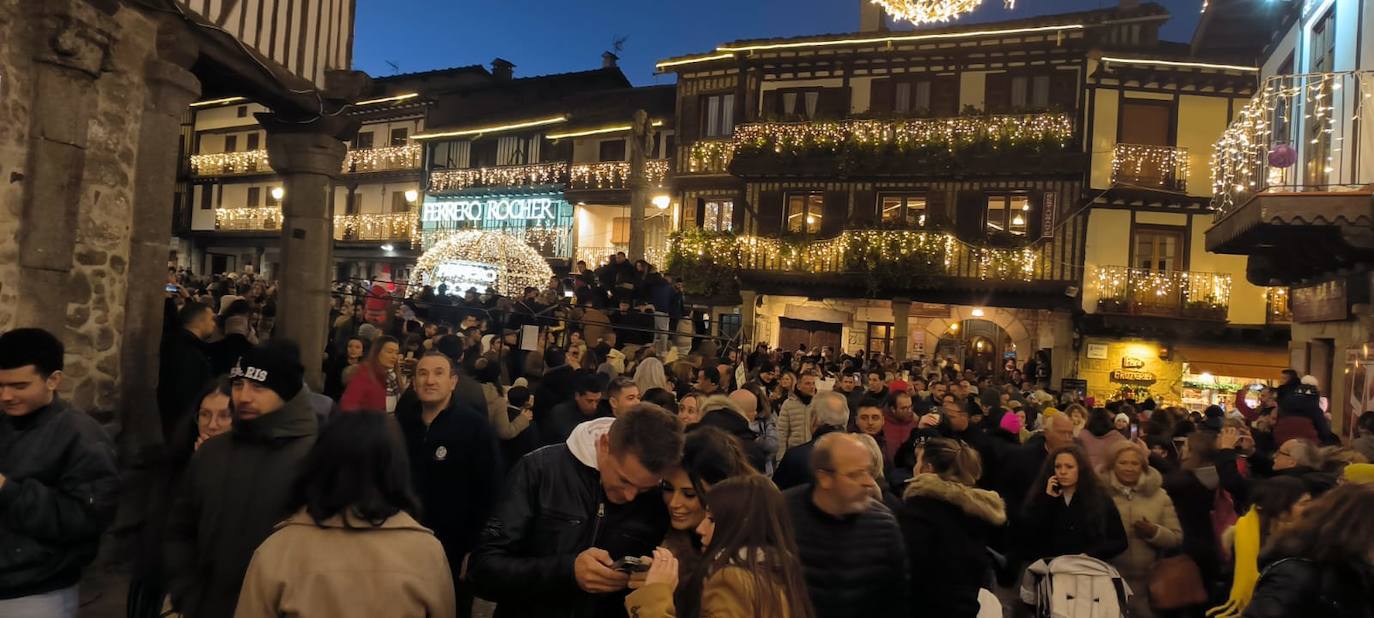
(871, 17)
(502, 69)
(1130, 4)
(608, 60)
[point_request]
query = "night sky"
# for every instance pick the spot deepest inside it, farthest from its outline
(555, 36)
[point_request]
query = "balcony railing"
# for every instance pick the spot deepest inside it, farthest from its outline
(615, 174)
(596, 256)
(711, 156)
(1299, 133)
(1153, 167)
(608, 175)
(382, 159)
(1177, 294)
(381, 226)
(230, 163)
(248, 219)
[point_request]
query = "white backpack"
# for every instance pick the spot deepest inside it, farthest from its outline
(1076, 586)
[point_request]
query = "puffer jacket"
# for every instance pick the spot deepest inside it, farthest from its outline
(854, 565)
(1301, 587)
(236, 490)
(727, 593)
(554, 508)
(60, 492)
(794, 423)
(947, 527)
(396, 569)
(1146, 500)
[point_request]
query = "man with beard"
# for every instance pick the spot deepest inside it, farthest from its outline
(794, 419)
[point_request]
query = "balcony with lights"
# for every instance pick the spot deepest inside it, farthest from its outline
(1293, 180)
(926, 265)
(581, 178)
(1167, 294)
(242, 163)
(970, 145)
(1160, 168)
(404, 158)
(379, 227)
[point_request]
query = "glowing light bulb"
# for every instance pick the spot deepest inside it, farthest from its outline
(412, 195)
(277, 193)
(662, 201)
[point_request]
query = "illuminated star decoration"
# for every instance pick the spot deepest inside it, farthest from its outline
(932, 11)
(518, 265)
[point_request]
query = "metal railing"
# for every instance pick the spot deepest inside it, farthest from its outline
(1182, 294)
(596, 256)
(230, 163)
(591, 176)
(382, 159)
(614, 174)
(710, 156)
(1299, 133)
(381, 226)
(1153, 167)
(266, 218)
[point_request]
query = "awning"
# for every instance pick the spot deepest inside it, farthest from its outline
(1235, 362)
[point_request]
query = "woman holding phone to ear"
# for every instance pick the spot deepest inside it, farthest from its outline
(1069, 512)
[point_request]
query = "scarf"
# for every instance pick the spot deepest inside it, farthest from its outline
(1247, 546)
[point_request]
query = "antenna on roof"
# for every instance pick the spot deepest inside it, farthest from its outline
(395, 67)
(618, 43)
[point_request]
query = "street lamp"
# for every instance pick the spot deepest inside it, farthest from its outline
(277, 193)
(662, 201)
(412, 195)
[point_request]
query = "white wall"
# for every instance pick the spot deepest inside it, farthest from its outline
(594, 223)
(208, 118)
(382, 130)
(973, 89)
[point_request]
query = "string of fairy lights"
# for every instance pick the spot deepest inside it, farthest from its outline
(938, 252)
(932, 11)
(369, 226)
(603, 175)
(382, 158)
(951, 134)
(1125, 285)
(517, 264)
(615, 174)
(1141, 163)
(248, 219)
(1292, 119)
(219, 163)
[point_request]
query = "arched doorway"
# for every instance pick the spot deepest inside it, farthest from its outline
(979, 345)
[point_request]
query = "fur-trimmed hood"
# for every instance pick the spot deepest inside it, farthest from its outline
(981, 503)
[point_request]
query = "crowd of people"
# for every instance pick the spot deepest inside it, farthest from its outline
(579, 452)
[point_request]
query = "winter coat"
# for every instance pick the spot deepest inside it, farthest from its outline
(456, 471)
(854, 565)
(365, 391)
(733, 423)
(727, 593)
(395, 569)
(595, 325)
(225, 353)
(947, 527)
(1302, 587)
(794, 423)
(236, 490)
(1149, 501)
(795, 467)
(556, 387)
(183, 370)
(506, 427)
(896, 433)
(60, 493)
(1194, 493)
(1050, 528)
(559, 422)
(1098, 449)
(553, 508)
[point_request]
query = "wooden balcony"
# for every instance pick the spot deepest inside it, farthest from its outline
(604, 176)
(384, 159)
(1163, 168)
(1177, 294)
(363, 227)
(264, 219)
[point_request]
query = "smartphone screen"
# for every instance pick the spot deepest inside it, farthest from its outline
(1135, 430)
(171, 287)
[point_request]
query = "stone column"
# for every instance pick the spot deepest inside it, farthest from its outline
(901, 322)
(171, 88)
(746, 315)
(308, 161)
(71, 47)
(641, 138)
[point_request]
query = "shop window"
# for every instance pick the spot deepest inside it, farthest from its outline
(902, 209)
(254, 197)
(1008, 213)
(804, 213)
(620, 230)
(231, 143)
(718, 115)
(729, 325)
(880, 338)
(718, 215)
(612, 150)
(398, 136)
(363, 140)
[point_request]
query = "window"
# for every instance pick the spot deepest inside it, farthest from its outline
(231, 143)
(718, 115)
(729, 325)
(254, 197)
(1030, 91)
(880, 338)
(1146, 122)
(1158, 249)
(253, 141)
(612, 150)
(799, 103)
(272, 201)
(1008, 213)
(620, 230)
(718, 215)
(206, 198)
(804, 213)
(398, 136)
(363, 140)
(241, 112)
(398, 202)
(483, 153)
(902, 210)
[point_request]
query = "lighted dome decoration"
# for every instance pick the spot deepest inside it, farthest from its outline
(931, 11)
(482, 259)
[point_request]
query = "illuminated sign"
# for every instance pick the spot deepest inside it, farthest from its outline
(489, 209)
(1128, 375)
(463, 274)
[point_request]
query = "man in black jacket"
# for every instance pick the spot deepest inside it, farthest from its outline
(58, 481)
(830, 414)
(851, 546)
(585, 405)
(570, 511)
(455, 463)
(239, 484)
(184, 366)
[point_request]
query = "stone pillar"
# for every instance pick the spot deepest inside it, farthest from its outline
(901, 319)
(71, 47)
(641, 139)
(171, 88)
(308, 161)
(746, 315)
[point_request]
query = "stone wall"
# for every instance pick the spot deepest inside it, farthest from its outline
(15, 94)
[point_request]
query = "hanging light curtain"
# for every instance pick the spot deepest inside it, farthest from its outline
(927, 11)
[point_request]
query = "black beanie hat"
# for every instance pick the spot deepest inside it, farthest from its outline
(271, 366)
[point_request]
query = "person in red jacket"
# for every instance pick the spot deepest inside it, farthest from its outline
(378, 382)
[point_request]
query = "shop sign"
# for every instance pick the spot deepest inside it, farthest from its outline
(1048, 209)
(463, 274)
(1131, 375)
(1097, 351)
(1131, 362)
(1324, 302)
(489, 209)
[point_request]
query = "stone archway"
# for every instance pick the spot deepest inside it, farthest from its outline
(1006, 319)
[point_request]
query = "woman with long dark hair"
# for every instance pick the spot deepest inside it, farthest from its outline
(1324, 564)
(353, 506)
(1068, 511)
(709, 456)
(379, 381)
(751, 566)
